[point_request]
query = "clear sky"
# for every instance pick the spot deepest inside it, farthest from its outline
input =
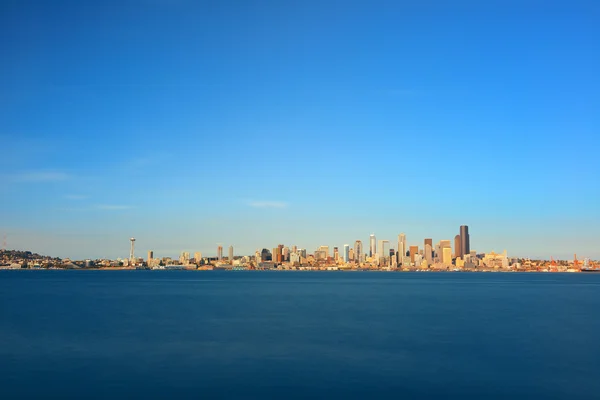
(253, 123)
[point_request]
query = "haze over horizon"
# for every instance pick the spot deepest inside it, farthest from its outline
(253, 123)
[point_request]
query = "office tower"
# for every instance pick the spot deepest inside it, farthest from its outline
(402, 246)
(325, 249)
(285, 254)
(357, 251)
(428, 242)
(447, 255)
(457, 247)
(277, 254)
(150, 255)
(384, 252)
(336, 254)
(230, 254)
(197, 257)
(295, 258)
(184, 258)
(265, 255)
(438, 253)
(351, 254)
(465, 241)
(428, 253)
(418, 260)
(372, 245)
(294, 249)
(257, 257)
(220, 253)
(414, 250)
(346, 253)
(303, 253)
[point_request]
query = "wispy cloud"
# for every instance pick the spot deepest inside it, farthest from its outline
(113, 207)
(268, 204)
(39, 176)
(75, 197)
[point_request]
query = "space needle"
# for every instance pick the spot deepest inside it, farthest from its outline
(131, 255)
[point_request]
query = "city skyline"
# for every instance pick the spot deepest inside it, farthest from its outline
(186, 124)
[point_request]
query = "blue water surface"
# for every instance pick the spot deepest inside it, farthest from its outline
(254, 334)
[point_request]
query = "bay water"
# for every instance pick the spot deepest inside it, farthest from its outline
(271, 334)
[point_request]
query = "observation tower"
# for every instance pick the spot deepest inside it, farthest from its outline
(131, 254)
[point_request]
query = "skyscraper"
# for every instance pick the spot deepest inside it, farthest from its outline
(372, 245)
(336, 254)
(414, 250)
(230, 254)
(428, 250)
(150, 255)
(357, 251)
(464, 240)
(428, 253)
(447, 256)
(184, 258)
(384, 252)
(325, 250)
(428, 242)
(220, 252)
(277, 254)
(457, 247)
(285, 253)
(265, 255)
(401, 247)
(346, 253)
(197, 257)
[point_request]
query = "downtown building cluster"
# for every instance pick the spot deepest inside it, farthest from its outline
(381, 255)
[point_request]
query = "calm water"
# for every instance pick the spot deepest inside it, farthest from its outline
(188, 334)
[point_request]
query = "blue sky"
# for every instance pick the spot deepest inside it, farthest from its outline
(253, 123)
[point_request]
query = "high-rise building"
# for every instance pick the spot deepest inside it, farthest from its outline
(150, 255)
(346, 253)
(447, 255)
(465, 241)
(277, 256)
(184, 258)
(197, 257)
(414, 250)
(428, 242)
(351, 254)
(220, 253)
(336, 254)
(230, 254)
(325, 249)
(428, 253)
(357, 251)
(457, 247)
(372, 245)
(402, 246)
(384, 252)
(285, 254)
(265, 255)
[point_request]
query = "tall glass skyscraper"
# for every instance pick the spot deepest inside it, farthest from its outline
(401, 246)
(372, 245)
(464, 240)
(357, 251)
